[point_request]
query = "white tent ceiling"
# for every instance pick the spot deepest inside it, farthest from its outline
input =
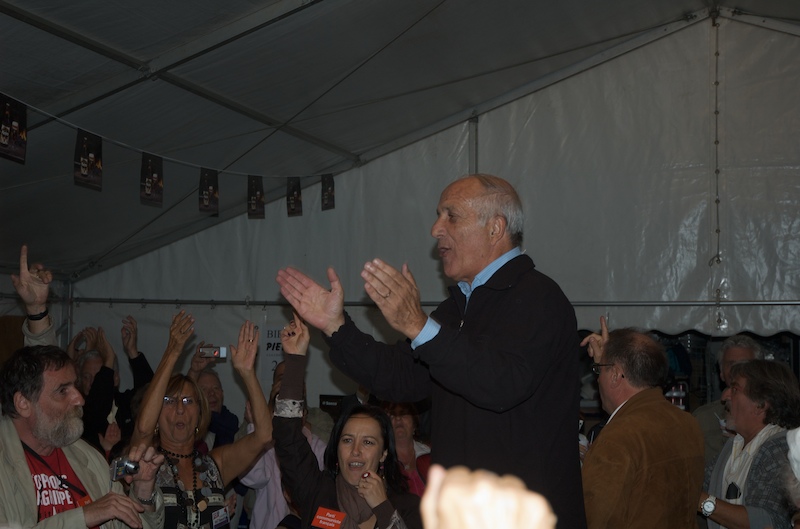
(284, 88)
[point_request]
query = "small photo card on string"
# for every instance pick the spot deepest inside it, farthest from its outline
(294, 197)
(255, 197)
(13, 129)
(151, 181)
(208, 192)
(88, 160)
(328, 194)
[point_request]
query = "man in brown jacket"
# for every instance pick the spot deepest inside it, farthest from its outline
(646, 469)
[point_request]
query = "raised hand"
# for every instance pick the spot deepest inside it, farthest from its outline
(73, 348)
(130, 333)
(90, 339)
(199, 362)
(396, 295)
(461, 499)
(597, 342)
(113, 436)
(243, 357)
(295, 337)
(32, 284)
(324, 309)
(181, 329)
(105, 349)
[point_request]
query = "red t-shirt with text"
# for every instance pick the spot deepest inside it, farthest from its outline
(53, 496)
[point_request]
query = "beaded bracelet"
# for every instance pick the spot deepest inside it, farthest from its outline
(150, 501)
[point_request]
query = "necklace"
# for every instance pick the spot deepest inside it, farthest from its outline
(174, 455)
(197, 503)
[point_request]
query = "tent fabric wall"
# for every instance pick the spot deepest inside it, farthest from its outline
(622, 196)
(616, 170)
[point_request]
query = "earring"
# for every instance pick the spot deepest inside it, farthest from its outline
(196, 430)
(336, 470)
(380, 470)
(155, 432)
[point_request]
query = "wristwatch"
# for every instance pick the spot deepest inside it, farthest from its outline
(708, 506)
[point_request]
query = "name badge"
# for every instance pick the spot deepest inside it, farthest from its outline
(328, 518)
(220, 518)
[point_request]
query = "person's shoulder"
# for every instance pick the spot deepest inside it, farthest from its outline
(9, 439)
(82, 453)
(646, 406)
(772, 455)
(421, 448)
(85, 448)
(776, 442)
(653, 399)
(522, 272)
(228, 414)
(519, 267)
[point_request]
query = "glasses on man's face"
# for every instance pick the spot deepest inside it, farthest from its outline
(173, 401)
(596, 368)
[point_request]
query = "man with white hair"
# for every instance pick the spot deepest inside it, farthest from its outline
(711, 416)
(498, 358)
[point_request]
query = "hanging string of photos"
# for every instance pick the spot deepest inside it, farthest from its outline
(13, 129)
(88, 168)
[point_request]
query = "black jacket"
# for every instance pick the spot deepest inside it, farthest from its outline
(503, 376)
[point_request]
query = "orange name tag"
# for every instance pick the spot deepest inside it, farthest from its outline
(328, 518)
(85, 500)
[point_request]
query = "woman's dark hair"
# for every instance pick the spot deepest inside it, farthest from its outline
(402, 408)
(395, 481)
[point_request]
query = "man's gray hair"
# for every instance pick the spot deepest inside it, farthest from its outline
(84, 357)
(501, 199)
(94, 353)
(740, 340)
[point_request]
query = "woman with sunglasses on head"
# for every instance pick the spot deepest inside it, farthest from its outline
(361, 485)
(174, 415)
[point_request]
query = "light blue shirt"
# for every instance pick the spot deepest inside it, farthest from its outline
(432, 327)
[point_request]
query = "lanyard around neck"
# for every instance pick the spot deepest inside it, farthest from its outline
(64, 483)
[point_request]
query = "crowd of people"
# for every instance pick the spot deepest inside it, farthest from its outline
(497, 363)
